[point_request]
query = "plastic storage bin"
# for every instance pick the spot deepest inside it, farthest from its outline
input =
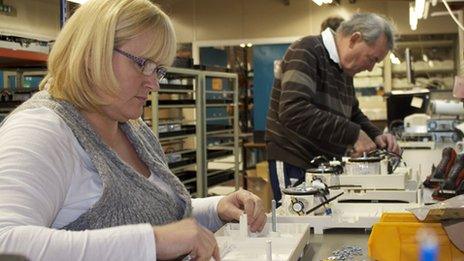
(394, 238)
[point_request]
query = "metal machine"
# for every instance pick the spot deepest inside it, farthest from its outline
(351, 194)
(378, 177)
(444, 124)
(375, 177)
(306, 200)
(415, 134)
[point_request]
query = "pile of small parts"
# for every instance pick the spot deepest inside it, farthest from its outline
(346, 253)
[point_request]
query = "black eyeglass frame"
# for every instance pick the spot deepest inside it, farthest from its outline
(147, 66)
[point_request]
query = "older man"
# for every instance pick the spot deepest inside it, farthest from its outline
(313, 108)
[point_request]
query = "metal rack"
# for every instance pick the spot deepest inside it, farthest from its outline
(19, 84)
(221, 128)
(187, 96)
(434, 60)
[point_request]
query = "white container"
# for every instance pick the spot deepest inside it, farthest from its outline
(393, 181)
(362, 168)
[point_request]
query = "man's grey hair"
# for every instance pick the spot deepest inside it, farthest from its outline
(371, 26)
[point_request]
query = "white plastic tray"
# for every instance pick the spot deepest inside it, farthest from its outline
(288, 245)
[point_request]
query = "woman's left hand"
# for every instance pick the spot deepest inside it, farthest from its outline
(232, 206)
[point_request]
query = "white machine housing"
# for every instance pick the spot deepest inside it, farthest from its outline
(415, 132)
(402, 185)
(416, 123)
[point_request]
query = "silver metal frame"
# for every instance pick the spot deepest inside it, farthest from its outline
(201, 133)
(236, 130)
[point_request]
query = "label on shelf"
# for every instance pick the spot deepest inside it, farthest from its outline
(458, 90)
(417, 102)
(216, 84)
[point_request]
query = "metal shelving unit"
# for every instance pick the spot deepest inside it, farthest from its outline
(221, 127)
(435, 62)
(198, 126)
(174, 112)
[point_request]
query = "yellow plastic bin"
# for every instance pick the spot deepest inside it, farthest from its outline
(394, 238)
(400, 217)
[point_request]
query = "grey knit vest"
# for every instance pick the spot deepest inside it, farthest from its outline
(128, 197)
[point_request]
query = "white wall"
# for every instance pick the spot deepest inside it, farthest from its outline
(210, 20)
(37, 19)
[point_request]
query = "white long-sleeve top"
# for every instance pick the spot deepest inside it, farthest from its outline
(47, 180)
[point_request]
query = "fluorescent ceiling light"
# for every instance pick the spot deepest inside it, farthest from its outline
(394, 59)
(442, 13)
(320, 2)
(78, 1)
(412, 17)
(420, 8)
(426, 10)
(425, 58)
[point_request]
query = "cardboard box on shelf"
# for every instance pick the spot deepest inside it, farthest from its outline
(216, 84)
(260, 187)
(262, 170)
(147, 113)
(169, 114)
(251, 173)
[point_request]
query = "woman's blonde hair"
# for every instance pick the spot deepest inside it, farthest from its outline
(80, 63)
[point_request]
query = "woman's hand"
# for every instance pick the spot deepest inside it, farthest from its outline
(231, 207)
(185, 237)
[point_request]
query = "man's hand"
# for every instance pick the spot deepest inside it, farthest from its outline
(231, 207)
(363, 144)
(388, 141)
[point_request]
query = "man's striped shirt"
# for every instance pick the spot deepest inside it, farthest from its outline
(313, 108)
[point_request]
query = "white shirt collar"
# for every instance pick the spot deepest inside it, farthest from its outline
(329, 43)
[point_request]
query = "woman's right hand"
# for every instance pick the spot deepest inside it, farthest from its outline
(185, 237)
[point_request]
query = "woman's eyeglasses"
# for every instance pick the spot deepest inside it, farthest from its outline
(147, 66)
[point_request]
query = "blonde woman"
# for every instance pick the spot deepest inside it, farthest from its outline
(81, 175)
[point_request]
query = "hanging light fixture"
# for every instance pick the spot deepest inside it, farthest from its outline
(425, 58)
(420, 8)
(412, 17)
(426, 10)
(394, 59)
(320, 2)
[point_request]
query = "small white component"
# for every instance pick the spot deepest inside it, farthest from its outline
(243, 226)
(226, 248)
(268, 250)
(318, 184)
(274, 234)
